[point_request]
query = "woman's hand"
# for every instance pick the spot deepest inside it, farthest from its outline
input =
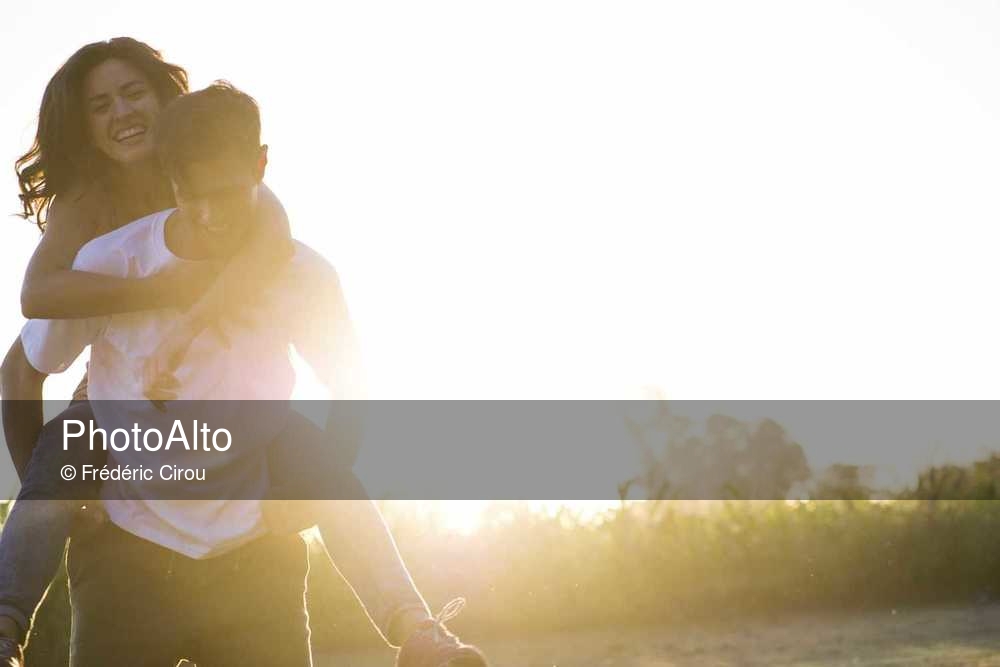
(159, 383)
(158, 372)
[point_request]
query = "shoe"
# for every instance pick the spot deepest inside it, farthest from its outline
(431, 645)
(10, 653)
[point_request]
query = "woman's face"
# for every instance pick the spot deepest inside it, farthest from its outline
(121, 106)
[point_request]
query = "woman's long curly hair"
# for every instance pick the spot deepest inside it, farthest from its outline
(62, 156)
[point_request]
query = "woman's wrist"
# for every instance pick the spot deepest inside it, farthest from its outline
(154, 292)
(178, 287)
(196, 318)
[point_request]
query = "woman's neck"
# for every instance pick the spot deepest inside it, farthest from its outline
(138, 190)
(136, 177)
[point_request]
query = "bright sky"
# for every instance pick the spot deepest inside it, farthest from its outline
(547, 199)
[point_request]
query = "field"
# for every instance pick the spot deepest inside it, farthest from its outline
(945, 636)
(745, 584)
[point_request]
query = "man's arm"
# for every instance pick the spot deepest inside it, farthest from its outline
(21, 405)
(44, 347)
(325, 338)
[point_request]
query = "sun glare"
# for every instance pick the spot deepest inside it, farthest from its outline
(462, 517)
(467, 517)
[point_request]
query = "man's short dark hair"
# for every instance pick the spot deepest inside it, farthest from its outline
(219, 120)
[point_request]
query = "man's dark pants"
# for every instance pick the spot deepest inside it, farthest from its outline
(138, 604)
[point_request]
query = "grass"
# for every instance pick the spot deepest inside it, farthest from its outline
(535, 577)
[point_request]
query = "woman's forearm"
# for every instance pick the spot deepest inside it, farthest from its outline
(245, 276)
(68, 294)
(268, 249)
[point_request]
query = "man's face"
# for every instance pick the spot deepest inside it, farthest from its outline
(217, 197)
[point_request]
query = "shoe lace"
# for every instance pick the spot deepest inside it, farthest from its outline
(448, 612)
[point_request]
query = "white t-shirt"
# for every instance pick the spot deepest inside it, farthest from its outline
(253, 365)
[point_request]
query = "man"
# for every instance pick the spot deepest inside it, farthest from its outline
(202, 579)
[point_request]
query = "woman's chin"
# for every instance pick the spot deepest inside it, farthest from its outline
(132, 155)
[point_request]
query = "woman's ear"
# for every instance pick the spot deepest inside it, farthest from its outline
(261, 163)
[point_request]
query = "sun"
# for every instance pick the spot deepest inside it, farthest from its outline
(461, 517)
(467, 517)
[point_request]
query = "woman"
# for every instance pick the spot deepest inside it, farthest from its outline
(91, 170)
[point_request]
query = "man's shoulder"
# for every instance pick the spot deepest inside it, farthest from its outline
(306, 258)
(134, 231)
(308, 269)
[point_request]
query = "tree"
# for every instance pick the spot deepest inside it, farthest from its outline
(844, 482)
(720, 459)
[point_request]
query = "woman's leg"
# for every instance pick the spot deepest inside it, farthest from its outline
(304, 458)
(34, 537)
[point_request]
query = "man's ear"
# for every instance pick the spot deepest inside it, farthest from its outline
(261, 163)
